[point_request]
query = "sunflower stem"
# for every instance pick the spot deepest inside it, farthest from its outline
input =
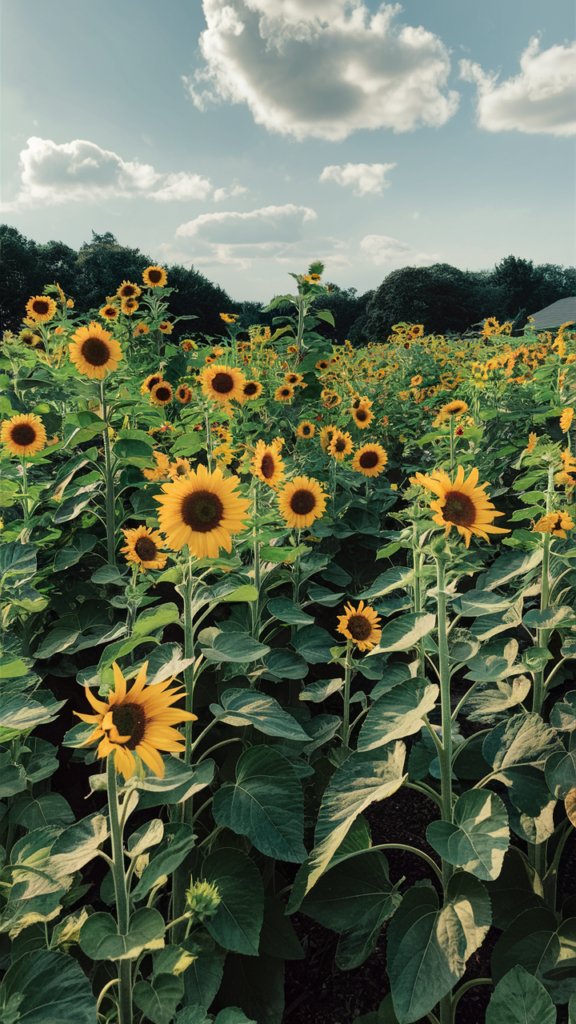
(256, 549)
(347, 679)
(445, 752)
(109, 484)
(451, 447)
(188, 653)
(25, 493)
(121, 893)
(208, 440)
(543, 635)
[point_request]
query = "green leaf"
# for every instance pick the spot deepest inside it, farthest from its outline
(533, 829)
(177, 841)
(17, 711)
(287, 611)
(180, 782)
(155, 618)
(514, 889)
(257, 984)
(99, 938)
(479, 837)
(202, 978)
(237, 922)
(482, 602)
(278, 937)
(78, 844)
(519, 998)
(236, 647)
(286, 664)
(549, 619)
(404, 632)
(73, 552)
(46, 809)
(159, 1000)
(314, 643)
(247, 707)
(244, 593)
(17, 563)
(511, 564)
(398, 713)
(144, 837)
(12, 780)
(561, 773)
(321, 690)
(265, 804)
(514, 749)
(131, 449)
(537, 942)
(563, 714)
(486, 626)
(42, 987)
(391, 676)
(388, 581)
(324, 596)
(488, 701)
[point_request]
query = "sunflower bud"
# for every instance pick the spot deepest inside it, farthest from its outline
(202, 899)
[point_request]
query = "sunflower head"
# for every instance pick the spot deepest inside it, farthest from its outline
(322, 365)
(143, 547)
(360, 625)
(222, 383)
(23, 434)
(450, 410)
(370, 460)
(285, 393)
(41, 308)
(330, 399)
(166, 327)
(161, 394)
(94, 351)
(461, 503)
(180, 468)
(183, 394)
(306, 429)
(188, 345)
(555, 523)
(128, 290)
(251, 390)
(140, 328)
(294, 378)
(362, 417)
(340, 445)
(109, 312)
(150, 382)
(161, 470)
(267, 464)
(30, 339)
(129, 306)
(301, 502)
(154, 277)
(202, 511)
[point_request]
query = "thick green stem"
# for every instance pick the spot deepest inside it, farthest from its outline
(188, 653)
(256, 552)
(300, 329)
(445, 754)
(543, 634)
(208, 441)
(25, 508)
(109, 484)
(417, 559)
(347, 679)
(121, 894)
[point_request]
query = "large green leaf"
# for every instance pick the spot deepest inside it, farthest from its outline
(514, 889)
(287, 611)
(314, 644)
(248, 707)
(155, 618)
(479, 837)
(486, 626)
(563, 714)
(511, 564)
(533, 829)
(18, 711)
(549, 619)
(561, 773)
(180, 782)
(236, 647)
(515, 749)
(265, 804)
(100, 940)
(286, 664)
(237, 922)
(398, 713)
(177, 841)
(255, 985)
(202, 978)
(46, 809)
(46, 987)
(481, 602)
(17, 563)
(80, 545)
(519, 998)
(158, 1000)
(404, 632)
(487, 701)
(536, 942)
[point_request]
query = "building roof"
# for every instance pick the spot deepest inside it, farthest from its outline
(561, 312)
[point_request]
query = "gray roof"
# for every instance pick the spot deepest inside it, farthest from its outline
(561, 312)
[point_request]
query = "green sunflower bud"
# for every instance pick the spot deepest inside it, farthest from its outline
(202, 899)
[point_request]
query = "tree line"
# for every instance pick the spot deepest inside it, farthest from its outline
(442, 297)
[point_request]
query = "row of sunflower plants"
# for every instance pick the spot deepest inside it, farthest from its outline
(190, 574)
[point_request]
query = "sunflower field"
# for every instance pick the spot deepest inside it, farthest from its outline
(256, 594)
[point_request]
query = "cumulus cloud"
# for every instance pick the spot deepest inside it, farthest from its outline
(539, 100)
(81, 171)
(234, 237)
(365, 178)
(324, 69)
(226, 193)
(383, 249)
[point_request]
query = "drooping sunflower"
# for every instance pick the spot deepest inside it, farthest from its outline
(361, 625)
(451, 409)
(94, 351)
(293, 378)
(267, 464)
(285, 393)
(370, 460)
(41, 308)
(555, 523)
(306, 429)
(222, 383)
(340, 445)
(330, 399)
(202, 511)
(143, 547)
(23, 434)
(151, 380)
(362, 417)
(140, 328)
(179, 468)
(128, 290)
(301, 502)
(183, 394)
(109, 312)
(161, 393)
(161, 470)
(229, 318)
(154, 277)
(139, 720)
(251, 390)
(129, 306)
(461, 504)
(30, 339)
(322, 364)
(326, 435)
(166, 327)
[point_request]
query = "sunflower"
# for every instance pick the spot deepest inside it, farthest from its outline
(179, 469)
(306, 429)
(140, 328)
(285, 393)
(340, 445)
(143, 547)
(183, 394)
(161, 470)
(127, 290)
(416, 331)
(129, 306)
(358, 402)
(109, 312)
(362, 417)
(202, 511)
(161, 393)
(566, 419)
(326, 435)
(322, 364)
(301, 502)
(330, 399)
(251, 390)
(229, 318)
(361, 625)
(532, 442)
(555, 523)
(370, 460)
(222, 383)
(29, 338)
(166, 327)
(455, 409)
(150, 382)
(188, 345)
(140, 720)
(461, 504)
(416, 380)
(23, 434)
(154, 277)
(294, 378)
(267, 464)
(41, 308)
(93, 350)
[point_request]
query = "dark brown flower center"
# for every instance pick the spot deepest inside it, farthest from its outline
(302, 502)
(154, 276)
(110, 312)
(305, 430)
(130, 720)
(153, 382)
(181, 470)
(146, 549)
(128, 290)
(223, 383)
(322, 366)
(361, 415)
(360, 627)
(459, 509)
(368, 460)
(95, 351)
(267, 466)
(41, 306)
(292, 378)
(23, 434)
(202, 511)
(251, 388)
(163, 393)
(340, 444)
(285, 392)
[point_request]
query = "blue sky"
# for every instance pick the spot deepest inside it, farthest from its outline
(247, 137)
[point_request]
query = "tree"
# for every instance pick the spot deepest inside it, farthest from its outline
(101, 266)
(197, 296)
(346, 307)
(527, 287)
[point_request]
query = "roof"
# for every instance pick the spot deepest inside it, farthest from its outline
(561, 312)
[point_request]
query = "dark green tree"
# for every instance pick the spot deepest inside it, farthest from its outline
(101, 266)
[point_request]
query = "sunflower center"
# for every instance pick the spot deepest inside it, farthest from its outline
(145, 548)
(251, 388)
(130, 720)
(181, 471)
(23, 434)
(361, 415)
(285, 392)
(163, 394)
(459, 509)
(305, 430)
(95, 351)
(292, 379)
(340, 444)
(360, 627)
(368, 460)
(202, 511)
(153, 382)
(128, 290)
(223, 383)
(302, 502)
(41, 306)
(267, 466)
(154, 276)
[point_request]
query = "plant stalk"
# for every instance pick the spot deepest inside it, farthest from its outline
(121, 894)
(347, 679)
(445, 754)
(109, 484)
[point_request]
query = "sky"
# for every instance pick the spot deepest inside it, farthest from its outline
(247, 138)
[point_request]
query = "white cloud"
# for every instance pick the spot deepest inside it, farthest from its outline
(539, 100)
(225, 193)
(81, 171)
(365, 178)
(322, 69)
(233, 237)
(383, 249)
